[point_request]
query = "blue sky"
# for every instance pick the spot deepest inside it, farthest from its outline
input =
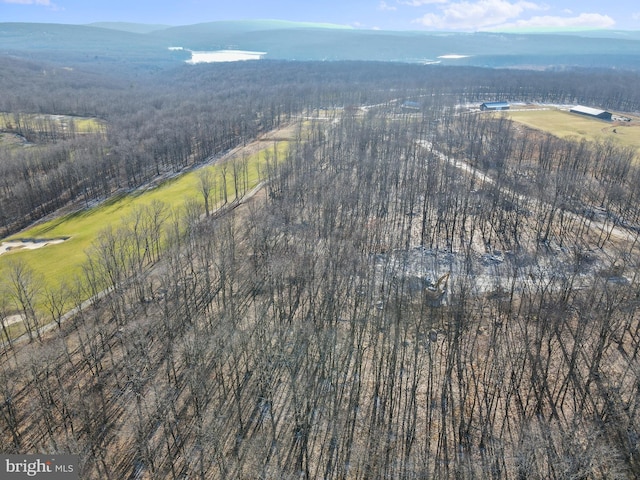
(458, 15)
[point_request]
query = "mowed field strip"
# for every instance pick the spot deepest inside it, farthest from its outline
(564, 124)
(61, 262)
(43, 123)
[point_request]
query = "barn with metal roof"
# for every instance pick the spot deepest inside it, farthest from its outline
(591, 112)
(494, 106)
(409, 105)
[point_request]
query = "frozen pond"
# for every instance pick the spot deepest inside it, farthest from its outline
(216, 56)
(453, 56)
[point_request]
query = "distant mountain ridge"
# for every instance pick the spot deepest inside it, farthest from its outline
(147, 45)
(129, 27)
(238, 25)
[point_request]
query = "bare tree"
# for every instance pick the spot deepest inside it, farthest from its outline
(24, 289)
(207, 183)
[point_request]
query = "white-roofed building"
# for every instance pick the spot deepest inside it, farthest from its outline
(591, 112)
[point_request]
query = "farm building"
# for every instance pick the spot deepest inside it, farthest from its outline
(591, 112)
(409, 105)
(494, 106)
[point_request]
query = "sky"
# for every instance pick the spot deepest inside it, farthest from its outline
(454, 15)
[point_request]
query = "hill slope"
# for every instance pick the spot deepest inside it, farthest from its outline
(148, 44)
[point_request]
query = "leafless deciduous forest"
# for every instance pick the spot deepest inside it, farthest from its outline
(430, 294)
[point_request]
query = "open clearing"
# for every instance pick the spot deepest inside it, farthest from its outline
(570, 125)
(59, 263)
(14, 121)
(11, 140)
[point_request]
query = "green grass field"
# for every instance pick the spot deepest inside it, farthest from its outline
(8, 121)
(569, 125)
(59, 263)
(88, 125)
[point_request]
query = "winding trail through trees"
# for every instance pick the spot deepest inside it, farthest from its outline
(608, 228)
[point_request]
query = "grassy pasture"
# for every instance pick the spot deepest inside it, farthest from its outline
(59, 263)
(9, 121)
(10, 140)
(570, 125)
(87, 125)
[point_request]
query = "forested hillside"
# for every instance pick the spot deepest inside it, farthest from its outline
(424, 292)
(114, 46)
(157, 124)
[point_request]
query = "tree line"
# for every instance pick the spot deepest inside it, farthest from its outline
(160, 122)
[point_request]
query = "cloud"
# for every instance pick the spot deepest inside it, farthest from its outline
(476, 15)
(419, 3)
(584, 20)
(46, 3)
(386, 7)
